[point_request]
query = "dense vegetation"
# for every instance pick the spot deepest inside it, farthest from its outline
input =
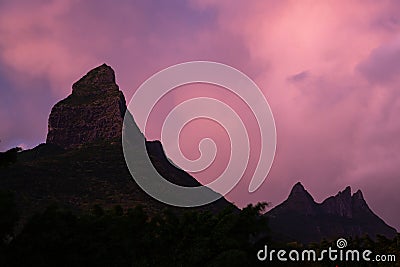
(60, 237)
(9, 157)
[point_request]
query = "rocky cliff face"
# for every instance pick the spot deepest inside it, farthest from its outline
(339, 205)
(300, 218)
(300, 200)
(79, 166)
(94, 111)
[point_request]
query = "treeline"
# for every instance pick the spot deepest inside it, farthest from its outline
(9, 157)
(60, 237)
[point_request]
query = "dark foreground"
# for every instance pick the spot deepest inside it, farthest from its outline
(114, 237)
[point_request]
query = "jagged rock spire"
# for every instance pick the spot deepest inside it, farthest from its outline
(98, 80)
(94, 111)
(301, 218)
(300, 200)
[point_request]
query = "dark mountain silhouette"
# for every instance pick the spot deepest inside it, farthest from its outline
(82, 162)
(94, 111)
(300, 218)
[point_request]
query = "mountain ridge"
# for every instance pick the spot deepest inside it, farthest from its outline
(342, 215)
(82, 165)
(82, 162)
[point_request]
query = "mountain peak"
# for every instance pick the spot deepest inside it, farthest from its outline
(346, 191)
(358, 195)
(300, 218)
(359, 202)
(298, 190)
(94, 111)
(300, 200)
(340, 204)
(298, 187)
(99, 79)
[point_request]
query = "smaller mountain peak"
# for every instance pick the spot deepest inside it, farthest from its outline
(101, 78)
(359, 203)
(298, 187)
(346, 192)
(299, 192)
(300, 200)
(339, 205)
(358, 195)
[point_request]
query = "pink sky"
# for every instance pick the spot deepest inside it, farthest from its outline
(329, 70)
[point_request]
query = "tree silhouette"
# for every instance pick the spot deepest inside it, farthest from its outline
(9, 157)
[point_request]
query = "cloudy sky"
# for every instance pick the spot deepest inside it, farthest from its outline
(329, 70)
